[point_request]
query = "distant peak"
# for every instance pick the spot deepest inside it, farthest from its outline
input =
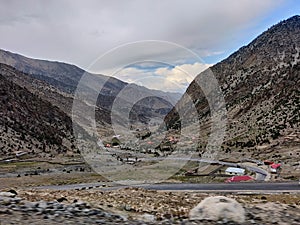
(296, 17)
(291, 20)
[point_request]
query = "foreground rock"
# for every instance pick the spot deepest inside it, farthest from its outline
(18, 211)
(7, 194)
(137, 206)
(219, 208)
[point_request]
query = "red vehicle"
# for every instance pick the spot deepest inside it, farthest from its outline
(238, 179)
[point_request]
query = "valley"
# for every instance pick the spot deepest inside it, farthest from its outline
(260, 90)
(234, 132)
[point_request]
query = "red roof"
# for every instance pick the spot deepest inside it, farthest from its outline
(275, 166)
(238, 179)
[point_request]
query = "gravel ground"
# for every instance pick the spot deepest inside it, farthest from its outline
(135, 207)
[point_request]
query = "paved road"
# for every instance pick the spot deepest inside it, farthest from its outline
(228, 187)
(262, 187)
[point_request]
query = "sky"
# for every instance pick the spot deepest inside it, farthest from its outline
(84, 32)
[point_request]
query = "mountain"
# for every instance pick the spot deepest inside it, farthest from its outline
(54, 85)
(64, 78)
(29, 124)
(60, 75)
(261, 87)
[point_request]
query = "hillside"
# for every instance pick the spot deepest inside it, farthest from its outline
(65, 78)
(60, 75)
(57, 82)
(260, 84)
(30, 124)
(54, 84)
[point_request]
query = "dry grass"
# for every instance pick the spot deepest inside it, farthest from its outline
(49, 179)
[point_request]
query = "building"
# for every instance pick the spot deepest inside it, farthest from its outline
(268, 162)
(274, 168)
(234, 171)
(21, 154)
(115, 141)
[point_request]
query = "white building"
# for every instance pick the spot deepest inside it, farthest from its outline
(235, 171)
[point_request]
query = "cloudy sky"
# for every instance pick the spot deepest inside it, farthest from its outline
(81, 31)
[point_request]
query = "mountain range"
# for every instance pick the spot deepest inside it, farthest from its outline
(65, 79)
(49, 88)
(259, 82)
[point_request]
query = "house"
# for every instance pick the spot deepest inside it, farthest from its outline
(115, 141)
(268, 162)
(20, 154)
(275, 167)
(238, 179)
(234, 171)
(192, 172)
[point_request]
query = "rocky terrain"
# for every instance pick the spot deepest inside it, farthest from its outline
(260, 84)
(135, 206)
(63, 79)
(51, 85)
(30, 125)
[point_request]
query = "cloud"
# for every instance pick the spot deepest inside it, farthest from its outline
(78, 31)
(182, 74)
(179, 77)
(174, 79)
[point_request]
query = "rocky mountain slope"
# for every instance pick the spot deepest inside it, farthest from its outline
(260, 83)
(60, 75)
(40, 124)
(29, 124)
(63, 80)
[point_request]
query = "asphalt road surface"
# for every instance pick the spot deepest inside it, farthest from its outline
(235, 187)
(261, 187)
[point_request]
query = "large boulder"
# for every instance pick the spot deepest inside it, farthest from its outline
(218, 208)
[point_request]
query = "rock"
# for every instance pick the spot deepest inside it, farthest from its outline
(263, 198)
(79, 203)
(148, 217)
(128, 207)
(85, 211)
(62, 199)
(13, 191)
(6, 200)
(30, 206)
(16, 200)
(42, 204)
(218, 208)
(7, 194)
(5, 211)
(60, 207)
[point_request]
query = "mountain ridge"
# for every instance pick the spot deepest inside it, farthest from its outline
(64, 78)
(260, 84)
